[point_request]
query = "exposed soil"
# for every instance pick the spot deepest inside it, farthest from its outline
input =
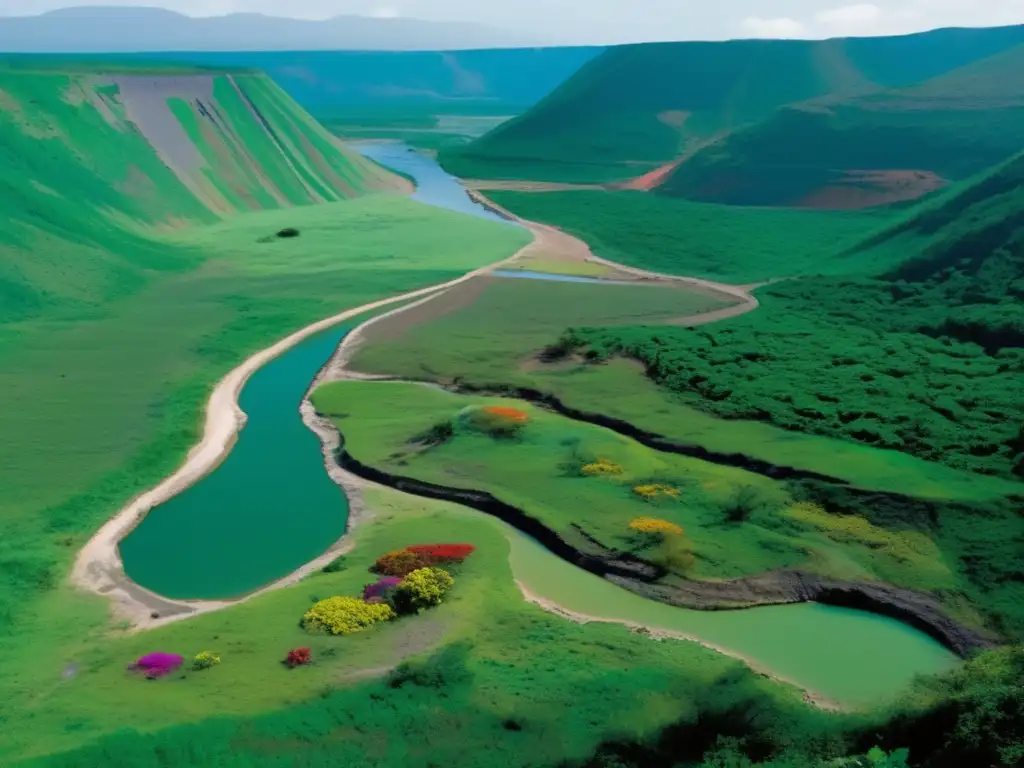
(866, 189)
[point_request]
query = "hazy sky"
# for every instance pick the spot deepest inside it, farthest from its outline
(602, 21)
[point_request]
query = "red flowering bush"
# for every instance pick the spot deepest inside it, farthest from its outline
(298, 657)
(401, 562)
(443, 553)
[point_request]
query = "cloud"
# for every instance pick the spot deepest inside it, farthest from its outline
(780, 27)
(863, 13)
(385, 12)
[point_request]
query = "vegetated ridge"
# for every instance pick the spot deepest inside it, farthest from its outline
(926, 358)
(637, 107)
(124, 29)
(876, 147)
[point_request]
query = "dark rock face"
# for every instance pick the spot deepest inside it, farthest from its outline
(919, 610)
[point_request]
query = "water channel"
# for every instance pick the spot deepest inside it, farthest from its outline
(270, 507)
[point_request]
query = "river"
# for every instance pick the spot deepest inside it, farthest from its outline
(270, 507)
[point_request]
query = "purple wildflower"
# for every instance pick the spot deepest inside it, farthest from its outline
(157, 664)
(377, 591)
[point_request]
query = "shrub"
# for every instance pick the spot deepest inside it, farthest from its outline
(379, 591)
(601, 468)
(158, 664)
(655, 491)
(298, 657)
(494, 420)
(745, 501)
(345, 615)
(400, 563)
(337, 564)
(205, 660)
(443, 553)
(423, 588)
(656, 526)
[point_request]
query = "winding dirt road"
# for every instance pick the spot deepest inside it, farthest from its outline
(98, 567)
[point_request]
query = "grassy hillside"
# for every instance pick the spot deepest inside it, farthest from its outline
(93, 160)
(636, 107)
(870, 149)
(926, 358)
(139, 264)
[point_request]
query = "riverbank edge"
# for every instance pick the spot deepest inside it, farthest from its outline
(916, 609)
(98, 567)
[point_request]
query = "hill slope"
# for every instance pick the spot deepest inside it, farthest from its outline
(925, 358)
(869, 149)
(92, 161)
(636, 107)
(123, 29)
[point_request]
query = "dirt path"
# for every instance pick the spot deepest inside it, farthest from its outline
(660, 633)
(98, 567)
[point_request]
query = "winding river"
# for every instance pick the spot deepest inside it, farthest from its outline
(270, 507)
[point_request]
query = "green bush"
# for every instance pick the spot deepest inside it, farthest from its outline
(423, 588)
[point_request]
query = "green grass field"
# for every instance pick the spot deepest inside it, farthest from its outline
(636, 107)
(488, 673)
(729, 244)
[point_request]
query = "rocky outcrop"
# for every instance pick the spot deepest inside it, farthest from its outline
(917, 609)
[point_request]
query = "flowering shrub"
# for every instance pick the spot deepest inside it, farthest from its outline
(154, 665)
(443, 553)
(654, 491)
(299, 657)
(345, 615)
(399, 563)
(654, 525)
(378, 592)
(422, 588)
(205, 660)
(494, 420)
(601, 468)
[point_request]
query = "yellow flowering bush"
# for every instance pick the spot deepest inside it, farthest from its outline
(654, 491)
(655, 525)
(205, 660)
(423, 588)
(345, 615)
(601, 468)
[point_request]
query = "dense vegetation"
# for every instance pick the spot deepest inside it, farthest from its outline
(636, 107)
(732, 245)
(825, 151)
(927, 360)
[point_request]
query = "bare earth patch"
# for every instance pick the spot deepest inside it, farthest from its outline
(866, 189)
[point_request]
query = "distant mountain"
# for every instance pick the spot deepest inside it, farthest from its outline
(876, 147)
(635, 109)
(326, 81)
(107, 29)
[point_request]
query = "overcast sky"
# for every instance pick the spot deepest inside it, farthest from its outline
(604, 21)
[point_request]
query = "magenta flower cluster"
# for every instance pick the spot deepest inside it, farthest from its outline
(157, 664)
(376, 592)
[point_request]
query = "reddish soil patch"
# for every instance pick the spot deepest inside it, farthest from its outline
(651, 179)
(866, 189)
